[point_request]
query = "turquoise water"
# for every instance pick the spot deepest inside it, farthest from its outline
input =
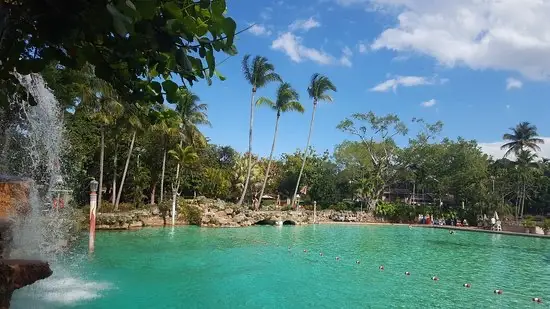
(190, 267)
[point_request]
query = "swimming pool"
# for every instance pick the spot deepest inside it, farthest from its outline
(191, 267)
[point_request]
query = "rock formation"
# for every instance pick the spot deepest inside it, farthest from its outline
(15, 274)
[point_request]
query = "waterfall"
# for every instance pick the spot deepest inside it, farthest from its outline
(44, 233)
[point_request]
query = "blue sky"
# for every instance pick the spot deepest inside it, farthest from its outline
(478, 68)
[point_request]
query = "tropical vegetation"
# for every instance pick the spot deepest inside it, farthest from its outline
(133, 122)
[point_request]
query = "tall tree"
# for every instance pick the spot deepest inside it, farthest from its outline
(135, 121)
(382, 153)
(318, 90)
(258, 73)
(192, 113)
(167, 123)
(101, 104)
(523, 137)
(286, 101)
(183, 156)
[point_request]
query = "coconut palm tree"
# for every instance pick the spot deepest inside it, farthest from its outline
(99, 100)
(258, 73)
(183, 156)
(318, 90)
(192, 113)
(523, 137)
(286, 101)
(167, 124)
(525, 163)
(136, 122)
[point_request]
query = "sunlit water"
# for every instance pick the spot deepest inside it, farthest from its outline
(253, 268)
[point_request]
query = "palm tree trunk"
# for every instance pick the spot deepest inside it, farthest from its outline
(305, 152)
(270, 157)
(175, 194)
(125, 170)
(113, 197)
(249, 163)
(162, 176)
(101, 160)
(175, 189)
(153, 192)
(523, 200)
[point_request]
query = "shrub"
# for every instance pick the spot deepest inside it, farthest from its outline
(340, 206)
(529, 222)
(191, 213)
(546, 225)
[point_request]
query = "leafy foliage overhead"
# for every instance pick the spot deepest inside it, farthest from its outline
(131, 43)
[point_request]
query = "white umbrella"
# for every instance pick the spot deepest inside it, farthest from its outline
(496, 216)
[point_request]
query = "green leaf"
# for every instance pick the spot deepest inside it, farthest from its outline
(231, 51)
(211, 62)
(204, 40)
(120, 27)
(189, 24)
(169, 86)
(218, 8)
(202, 27)
(219, 75)
(183, 60)
(208, 80)
(146, 8)
(202, 52)
(156, 87)
(229, 27)
(130, 4)
(173, 9)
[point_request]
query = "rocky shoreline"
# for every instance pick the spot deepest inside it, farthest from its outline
(212, 213)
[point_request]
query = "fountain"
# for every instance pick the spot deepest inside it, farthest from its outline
(32, 209)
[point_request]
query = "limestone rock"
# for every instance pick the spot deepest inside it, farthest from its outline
(15, 274)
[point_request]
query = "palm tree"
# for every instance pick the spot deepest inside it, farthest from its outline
(167, 123)
(192, 113)
(135, 122)
(523, 137)
(525, 162)
(183, 156)
(287, 101)
(258, 73)
(99, 100)
(317, 90)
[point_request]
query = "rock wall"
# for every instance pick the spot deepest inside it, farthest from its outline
(216, 213)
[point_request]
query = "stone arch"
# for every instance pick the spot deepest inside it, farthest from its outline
(289, 222)
(266, 222)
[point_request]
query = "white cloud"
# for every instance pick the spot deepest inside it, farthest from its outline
(512, 83)
(292, 46)
(304, 24)
(493, 149)
(259, 30)
(406, 81)
(512, 35)
(429, 103)
(363, 48)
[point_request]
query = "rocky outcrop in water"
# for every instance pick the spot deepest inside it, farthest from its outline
(15, 274)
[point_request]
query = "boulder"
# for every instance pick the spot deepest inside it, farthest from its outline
(155, 211)
(15, 274)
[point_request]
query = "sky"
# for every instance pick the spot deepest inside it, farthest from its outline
(481, 67)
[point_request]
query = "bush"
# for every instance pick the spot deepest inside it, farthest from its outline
(529, 222)
(546, 225)
(191, 213)
(340, 206)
